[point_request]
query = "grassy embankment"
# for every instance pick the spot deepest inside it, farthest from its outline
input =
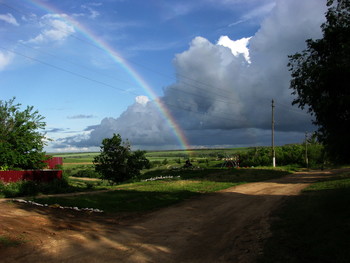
(150, 194)
(313, 227)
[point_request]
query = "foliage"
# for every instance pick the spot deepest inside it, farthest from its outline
(292, 154)
(320, 79)
(81, 171)
(32, 188)
(21, 142)
(116, 162)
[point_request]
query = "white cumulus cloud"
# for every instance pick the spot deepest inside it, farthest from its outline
(237, 47)
(5, 59)
(9, 18)
(142, 100)
(54, 29)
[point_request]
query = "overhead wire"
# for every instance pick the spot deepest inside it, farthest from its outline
(203, 95)
(102, 83)
(134, 62)
(77, 64)
(65, 70)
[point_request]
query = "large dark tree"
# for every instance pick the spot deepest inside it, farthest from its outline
(116, 162)
(21, 137)
(321, 80)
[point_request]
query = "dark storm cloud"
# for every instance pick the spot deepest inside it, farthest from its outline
(222, 99)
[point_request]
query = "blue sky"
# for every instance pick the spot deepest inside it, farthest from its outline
(213, 65)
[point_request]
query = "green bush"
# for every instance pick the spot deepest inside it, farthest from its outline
(117, 163)
(90, 173)
(32, 188)
(292, 154)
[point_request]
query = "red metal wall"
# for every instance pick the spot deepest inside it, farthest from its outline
(34, 175)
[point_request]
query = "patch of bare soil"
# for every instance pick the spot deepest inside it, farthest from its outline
(226, 226)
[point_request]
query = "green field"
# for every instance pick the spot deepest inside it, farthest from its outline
(81, 164)
(172, 157)
(157, 155)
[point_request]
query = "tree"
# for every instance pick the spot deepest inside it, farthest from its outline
(21, 141)
(116, 162)
(321, 77)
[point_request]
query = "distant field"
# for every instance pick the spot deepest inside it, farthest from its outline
(85, 158)
(81, 164)
(196, 152)
(76, 155)
(76, 158)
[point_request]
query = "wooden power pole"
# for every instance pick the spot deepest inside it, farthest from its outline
(306, 157)
(273, 135)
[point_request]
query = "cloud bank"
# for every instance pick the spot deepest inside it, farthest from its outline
(223, 92)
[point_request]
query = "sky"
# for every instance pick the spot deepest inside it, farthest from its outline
(162, 74)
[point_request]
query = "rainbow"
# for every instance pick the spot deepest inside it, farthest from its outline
(112, 53)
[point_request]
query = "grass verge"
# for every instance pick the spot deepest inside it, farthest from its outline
(142, 196)
(313, 227)
(153, 194)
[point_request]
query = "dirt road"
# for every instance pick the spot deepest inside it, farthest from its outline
(227, 226)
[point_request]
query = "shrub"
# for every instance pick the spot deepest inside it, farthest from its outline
(32, 188)
(292, 154)
(90, 173)
(117, 163)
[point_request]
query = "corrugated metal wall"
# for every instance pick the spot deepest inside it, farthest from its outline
(34, 175)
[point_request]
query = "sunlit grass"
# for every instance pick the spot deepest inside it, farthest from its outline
(149, 195)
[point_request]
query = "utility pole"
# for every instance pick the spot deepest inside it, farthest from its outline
(306, 157)
(273, 135)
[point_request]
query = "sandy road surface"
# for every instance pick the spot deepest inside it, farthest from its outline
(227, 226)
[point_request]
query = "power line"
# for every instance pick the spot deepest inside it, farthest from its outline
(115, 54)
(126, 91)
(224, 97)
(76, 64)
(67, 71)
(290, 109)
(203, 95)
(105, 84)
(98, 47)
